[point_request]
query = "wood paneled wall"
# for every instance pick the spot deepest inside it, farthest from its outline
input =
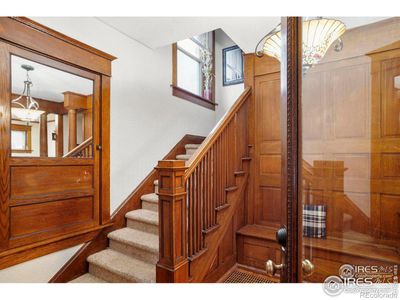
(350, 137)
(266, 204)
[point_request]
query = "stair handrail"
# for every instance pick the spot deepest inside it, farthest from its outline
(85, 144)
(215, 133)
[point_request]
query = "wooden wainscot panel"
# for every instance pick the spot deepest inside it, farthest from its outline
(255, 252)
(391, 165)
(265, 65)
(390, 217)
(47, 219)
(41, 180)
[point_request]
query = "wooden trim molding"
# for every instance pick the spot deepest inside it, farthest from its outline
(32, 35)
(63, 37)
(77, 265)
(186, 95)
(23, 253)
(291, 65)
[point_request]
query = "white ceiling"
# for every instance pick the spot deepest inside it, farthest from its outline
(155, 32)
(48, 83)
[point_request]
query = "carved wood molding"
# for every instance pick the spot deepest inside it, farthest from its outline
(291, 86)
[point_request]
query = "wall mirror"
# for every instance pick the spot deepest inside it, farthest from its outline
(51, 111)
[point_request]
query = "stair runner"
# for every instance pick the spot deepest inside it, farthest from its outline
(133, 250)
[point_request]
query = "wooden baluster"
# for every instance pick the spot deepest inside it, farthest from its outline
(196, 201)
(224, 168)
(235, 148)
(173, 258)
(205, 187)
(209, 181)
(213, 186)
(189, 199)
(200, 206)
(220, 181)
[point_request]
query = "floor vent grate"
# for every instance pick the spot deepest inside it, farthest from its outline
(238, 276)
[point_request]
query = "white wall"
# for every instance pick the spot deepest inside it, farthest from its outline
(146, 120)
(40, 269)
(225, 96)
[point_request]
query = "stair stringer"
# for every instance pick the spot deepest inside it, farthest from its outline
(200, 267)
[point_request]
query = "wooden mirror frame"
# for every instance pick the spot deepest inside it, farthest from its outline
(47, 44)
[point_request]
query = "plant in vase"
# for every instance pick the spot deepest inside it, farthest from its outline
(207, 70)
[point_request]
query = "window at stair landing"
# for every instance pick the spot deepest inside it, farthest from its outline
(193, 68)
(51, 111)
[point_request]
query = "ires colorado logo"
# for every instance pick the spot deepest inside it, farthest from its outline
(367, 280)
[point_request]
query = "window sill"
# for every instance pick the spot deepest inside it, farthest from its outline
(186, 95)
(21, 151)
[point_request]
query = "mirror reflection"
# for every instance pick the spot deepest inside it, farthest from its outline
(51, 111)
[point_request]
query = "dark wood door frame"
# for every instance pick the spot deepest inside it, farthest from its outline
(291, 66)
(44, 45)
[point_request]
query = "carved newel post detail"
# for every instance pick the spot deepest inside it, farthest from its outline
(173, 261)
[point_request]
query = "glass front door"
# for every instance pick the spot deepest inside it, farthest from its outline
(350, 151)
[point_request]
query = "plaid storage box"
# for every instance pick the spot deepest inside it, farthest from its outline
(314, 221)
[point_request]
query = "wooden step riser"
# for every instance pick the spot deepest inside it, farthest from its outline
(107, 275)
(150, 228)
(134, 252)
(150, 206)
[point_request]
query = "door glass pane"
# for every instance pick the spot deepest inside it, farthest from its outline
(350, 175)
(51, 111)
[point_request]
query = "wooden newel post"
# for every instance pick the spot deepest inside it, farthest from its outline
(173, 258)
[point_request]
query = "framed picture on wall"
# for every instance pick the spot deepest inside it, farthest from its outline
(232, 60)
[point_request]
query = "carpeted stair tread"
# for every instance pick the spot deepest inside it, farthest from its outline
(143, 215)
(88, 278)
(183, 156)
(131, 269)
(136, 238)
(153, 198)
(192, 146)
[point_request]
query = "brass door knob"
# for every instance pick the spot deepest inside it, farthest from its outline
(307, 267)
(272, 267)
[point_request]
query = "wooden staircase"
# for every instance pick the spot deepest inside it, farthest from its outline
(133, 250)
(173, 232)
(199, 199)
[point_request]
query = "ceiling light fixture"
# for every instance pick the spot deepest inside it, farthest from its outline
(28, 108)
(318, 35)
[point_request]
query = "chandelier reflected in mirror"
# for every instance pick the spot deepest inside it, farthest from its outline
(24, 106)
(318, 35)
